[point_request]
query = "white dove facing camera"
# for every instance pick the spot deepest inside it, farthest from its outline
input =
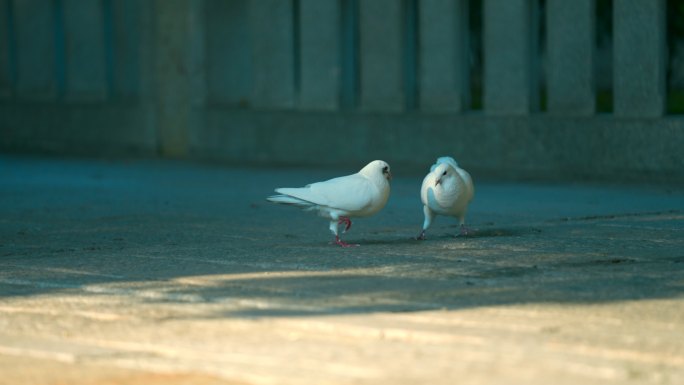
(358, 195)
(446, 190)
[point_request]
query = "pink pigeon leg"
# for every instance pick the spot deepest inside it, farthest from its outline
(340, 242)
(347, 223)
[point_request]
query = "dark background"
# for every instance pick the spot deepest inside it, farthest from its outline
(582, 90)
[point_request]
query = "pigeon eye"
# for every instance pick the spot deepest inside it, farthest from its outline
(384, 169)
(444, 173)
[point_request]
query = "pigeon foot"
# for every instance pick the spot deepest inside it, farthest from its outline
(340, 242)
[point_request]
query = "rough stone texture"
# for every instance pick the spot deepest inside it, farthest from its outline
(540, 147)
(273, 57)
(84, 51)
(180, 76)
(511, 84)
(570, 65)
(220, 80)
(229, 58)
(96, 130)
(444, 55)
(5, 51)
(22, 370)
(36, 62)
(164, 272)
(130, 39)
(381, 56)
(319, 54)
(639, 58)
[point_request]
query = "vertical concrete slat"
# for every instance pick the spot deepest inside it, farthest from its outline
(381, 55)
(147, 86)
(639, 58)
(273, 53)
(319, 32)
(196, 51)
(146, 68)
(127, 30)
(444, 67)
(86, 74)
(511, 84)
(5, 51)
(180, 75)
(35, 41)
(349, 51)
(229, 58)
(570, 47)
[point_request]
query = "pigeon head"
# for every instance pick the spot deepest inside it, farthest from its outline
(443, 172)
(377, 169)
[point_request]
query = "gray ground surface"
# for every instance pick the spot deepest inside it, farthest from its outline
(163, 272)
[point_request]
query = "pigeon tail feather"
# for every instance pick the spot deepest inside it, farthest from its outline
(290, 200)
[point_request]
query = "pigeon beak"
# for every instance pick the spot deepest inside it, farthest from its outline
(389, 175)
(438, 181)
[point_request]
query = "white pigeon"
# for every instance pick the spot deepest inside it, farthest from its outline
(358, 195)
(447, 190)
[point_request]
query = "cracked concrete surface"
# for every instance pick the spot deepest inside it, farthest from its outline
(150, 271)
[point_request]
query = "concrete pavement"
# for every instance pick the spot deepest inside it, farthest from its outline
(150, 271)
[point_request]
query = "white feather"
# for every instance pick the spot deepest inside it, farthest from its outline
(450, 196)
(356, 195)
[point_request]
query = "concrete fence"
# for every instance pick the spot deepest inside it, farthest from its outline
(341, 82)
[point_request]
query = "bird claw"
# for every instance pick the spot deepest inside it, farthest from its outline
(341, 243)
(421, 236)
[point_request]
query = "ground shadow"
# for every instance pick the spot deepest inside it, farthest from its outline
(188, 237)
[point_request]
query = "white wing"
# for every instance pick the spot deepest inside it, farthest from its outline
(468, 187)
(349, 193)
(428, 182)
(440, 198)
(450, 196)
